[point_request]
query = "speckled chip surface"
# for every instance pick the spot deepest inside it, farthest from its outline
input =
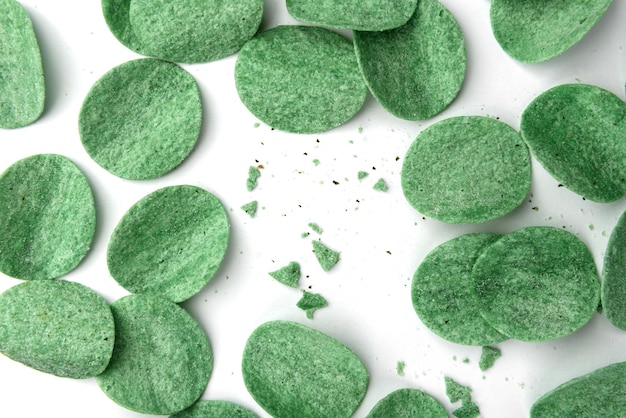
(488, 357)
(22, 86)
(117, 17)
(408, 403)
(161, 359)
(326, 256)
(288, 275)
(601, 393)
(170, 243)
(443, 295)
(370, 15)
(194, 31)
(537, 284)
(300, 79)
(57, 327)
(578, 134)
(536, 30)
(47, 217)
(295, 371)
(466, 169)
(613, 287)
(117, 118)
(214, 409)
(414, 71)
(311, 302)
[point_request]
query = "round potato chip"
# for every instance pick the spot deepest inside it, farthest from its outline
(300, 79)
(170, 243)
(408, 403)
(117, 17)
(47, 217)
(57, 327)
(443, 293)
(537, 284)
(578, 134)
(118, 119)
(536, 30)
(162, 360)
(466, 169)
(294, 371)
(414, 71)
(214, 409)
(613, 286)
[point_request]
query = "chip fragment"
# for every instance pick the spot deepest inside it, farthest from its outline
(325, 256)
(117, 118)
(57, 327)
(22, 85)
(300, 79)
(310, 302)
(408, 403)
(613, 284)
(295, 371)
(170, 243)
(47, 217)
(162, 360)
(288, 275)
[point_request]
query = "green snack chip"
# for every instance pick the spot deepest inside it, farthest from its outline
(250, 208)
(537, 284)
(613, 285)
(117, 16)
(443, 293)
(300, 79)
(466, 169)
(170, 243)
(253, 175)
(162, 359)
(381, 185)
(576, 132)
(22, 86)
(47, 217)
(456, 391)
(310, 302)
(536, 30)
(353, 14)
(488, 357)
(295, 371)
(601, 393)
(468, 410)
(214, 409)
(414, 71)
(57, 327)
(194, 31)
(325, 256)
(408, 403)
(288, 275)
(117, 119)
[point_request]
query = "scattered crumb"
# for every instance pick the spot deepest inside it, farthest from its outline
(310, 302)
(315, 227)
(535, 208)
(400, 368)
(488, 357)
(316, 161)
(288, 275)
(305, 234)
(250, 208)
(253, 174)
(360, 129)
(257, 124)
(381, 185)
(362, 174)
(466, 360)
(591, 227)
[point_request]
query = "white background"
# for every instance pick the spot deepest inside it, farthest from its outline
(381, 238)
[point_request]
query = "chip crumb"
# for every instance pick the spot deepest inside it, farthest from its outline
(316, 161)
(256, 124)
(305, 234)
(457, 392)
(362, 174)
(400, 368)
(315, 227)
(466, 360)
(325, 256)
(310, 302)
(287, 275)
(250, 208)
(488, 357)
(381, 185)
(253, 174)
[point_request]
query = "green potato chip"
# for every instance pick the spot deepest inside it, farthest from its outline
(369, 15)
(537, 284)
(466, 169)
(170, 243)
(408, 403)
(613, 285)
(117, 17)
(601, 393)
(117, 119)
(443, 293)
(162, 360)
(57, 327)
(214, 409)
(294, 371)
(300, 79)
(194, 31)
(536, 30)
(414, 71)
(578, 134)
(22, 86)
(47, 217)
